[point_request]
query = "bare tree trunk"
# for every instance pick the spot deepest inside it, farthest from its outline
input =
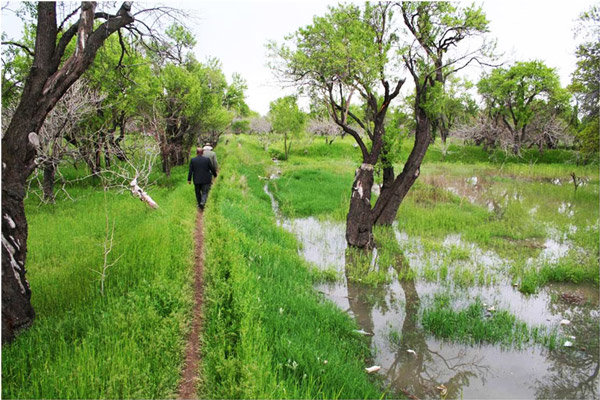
(444, 130)
(108, 138)
(359, 223)
(165, 156)
(49, 79)
(117, 142)
(388, 174)
(48, 181)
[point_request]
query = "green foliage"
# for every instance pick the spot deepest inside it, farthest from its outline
(285, 116)
(16, 63)
(234, 98)
(286, 119)
(341, 43)
(514, 93)
(585, 84)
(589, 139)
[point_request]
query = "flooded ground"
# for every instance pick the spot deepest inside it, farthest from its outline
(415, 362)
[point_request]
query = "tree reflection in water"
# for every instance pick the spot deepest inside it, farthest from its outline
(418, 372)
(573, 371)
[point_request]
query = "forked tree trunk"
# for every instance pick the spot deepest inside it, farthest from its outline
(359, 223)
(49, 79)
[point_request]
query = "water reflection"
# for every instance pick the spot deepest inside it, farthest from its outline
(415, 363)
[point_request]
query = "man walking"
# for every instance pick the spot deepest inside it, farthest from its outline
(210, 154)
(201, 169)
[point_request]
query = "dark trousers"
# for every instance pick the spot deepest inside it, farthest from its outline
(202, 193)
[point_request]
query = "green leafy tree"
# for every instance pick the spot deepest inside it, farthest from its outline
(585, 84)
(514, 94)
(346, 58)
(457, 106)
(286, 119)
(432, 53)
(194, 98)
(343, 59)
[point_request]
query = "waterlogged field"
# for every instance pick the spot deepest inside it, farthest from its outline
(485, 287)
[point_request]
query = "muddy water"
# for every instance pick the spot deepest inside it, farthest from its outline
(413, 361)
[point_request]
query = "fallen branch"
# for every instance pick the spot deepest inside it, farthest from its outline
(138, 192)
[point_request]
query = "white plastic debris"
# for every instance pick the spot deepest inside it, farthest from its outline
(472, 180)
(491, 309)
(372, 369)
(565, 322)
(568, 344)
(409, 351)
(363, 332)
(443, 389)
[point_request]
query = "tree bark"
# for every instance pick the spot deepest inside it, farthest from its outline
(121, 122)
(359, 223)
(386, 208)
(49, 78)
(48, 181)
(17, 312)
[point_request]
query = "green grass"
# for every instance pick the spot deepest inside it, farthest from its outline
(267, 333)
(295, 192)
(127, 342)
(474, 324)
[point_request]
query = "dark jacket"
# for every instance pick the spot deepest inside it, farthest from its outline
(201, 169)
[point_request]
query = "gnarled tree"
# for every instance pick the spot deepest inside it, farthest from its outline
(347, 54)
(344, 55)
(514, 94)
(55, 67)
(434, 31)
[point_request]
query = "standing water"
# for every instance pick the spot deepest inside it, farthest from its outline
(414, 362)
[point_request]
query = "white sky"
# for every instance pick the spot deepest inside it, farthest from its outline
(236, 31)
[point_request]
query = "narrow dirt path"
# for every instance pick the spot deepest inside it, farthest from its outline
(189, 375)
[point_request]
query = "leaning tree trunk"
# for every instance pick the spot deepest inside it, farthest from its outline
(388, 174)
(386, 208)
(49, 79)
(359, 223)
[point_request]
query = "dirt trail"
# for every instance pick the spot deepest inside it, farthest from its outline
(189, 376)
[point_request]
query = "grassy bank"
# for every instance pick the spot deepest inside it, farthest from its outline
(126, 342)
(267, 333)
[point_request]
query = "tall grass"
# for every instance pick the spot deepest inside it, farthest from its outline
(126, 342)
(476, 324)
(267, 333)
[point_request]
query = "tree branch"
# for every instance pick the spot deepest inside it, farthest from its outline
(20, 45)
